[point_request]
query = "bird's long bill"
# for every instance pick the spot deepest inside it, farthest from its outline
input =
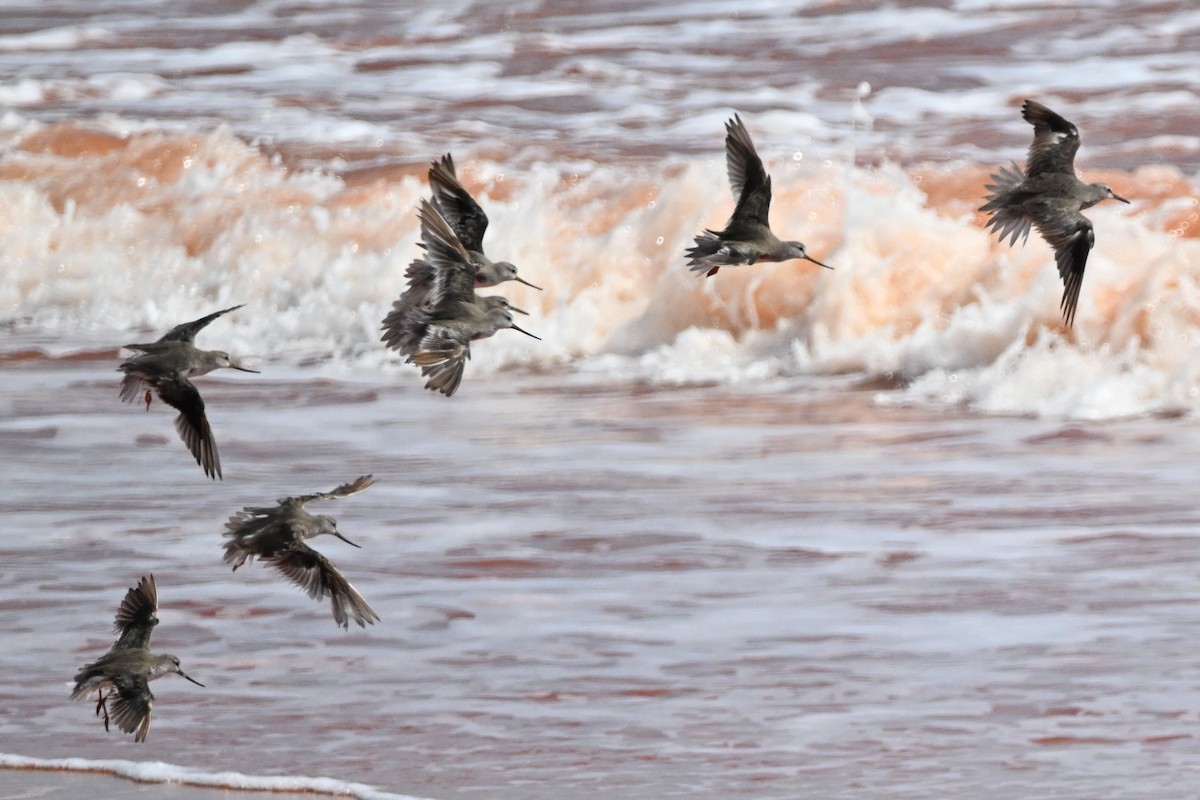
(527, 333)
(347, 541)
(182, 674)
(1118, 197)
(516, 310)
(810, 258)
(527, 283)
(245, 369)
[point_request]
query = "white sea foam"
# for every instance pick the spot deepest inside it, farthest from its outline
(161, 772)
(920, 293)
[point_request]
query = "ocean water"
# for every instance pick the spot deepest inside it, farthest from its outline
(786, 532)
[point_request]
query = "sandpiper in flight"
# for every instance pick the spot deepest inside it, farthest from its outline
(747, 237)
(166, 365)
(469, 223)
(1049, 196)
(276, 534)
(129, 666)
(436, 334)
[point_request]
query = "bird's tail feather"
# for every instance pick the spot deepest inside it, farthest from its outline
(1007, 221)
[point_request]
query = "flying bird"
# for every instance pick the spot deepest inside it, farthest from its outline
(277, 535)
(166, 367)
(747, 237)
(1049, 196)
(469, 223)
(436, 333)
(129, 666)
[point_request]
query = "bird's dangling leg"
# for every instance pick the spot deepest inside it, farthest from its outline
(102, 706)
(149, 397)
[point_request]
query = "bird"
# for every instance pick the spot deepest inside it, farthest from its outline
(404, 324)
(469, 224)
(166, 366)
(277, 535)
(129, 666)
(435, 334)
(747, 236)
(1049, 196)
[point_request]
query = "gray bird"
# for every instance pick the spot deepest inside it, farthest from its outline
(129, 666)
(166, 366)
(436, 333)
(405, 324)
(747, 237)
(1049, 197)
(469, 224)
(277, 535)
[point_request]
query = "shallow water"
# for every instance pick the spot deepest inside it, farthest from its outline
(615, 589)
(786, 532)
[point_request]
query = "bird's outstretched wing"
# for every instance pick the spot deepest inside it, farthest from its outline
(359, 484)
(465, 216)
(136, 616)
(316, 574)
(750, 183)
(1072, 237)
(454, 275)
(186, 332)
(192, 423)
(134, 706)
(1055, 141)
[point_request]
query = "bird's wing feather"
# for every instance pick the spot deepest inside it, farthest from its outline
(1055, 141)
(134, 706)
(192, 423)
(1071, 235)
(136, 616)
(750, 183)
(317, 576)
(454, 274)
(359, 484)
(186, 332)
(465, 216)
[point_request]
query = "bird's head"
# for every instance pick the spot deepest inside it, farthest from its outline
(327, 524)
(219, 359)
(168, 664)
(502, 318)
(508, 272)
(796, 250)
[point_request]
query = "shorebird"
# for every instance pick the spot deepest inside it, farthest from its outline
(469, 223)
(276, 534)
(1049, 197)
(747, 237)
(129, 666)
(404, 324)
(166, 365)
(436, 333)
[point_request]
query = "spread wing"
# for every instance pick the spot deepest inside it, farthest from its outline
(136, 616)
(186, 332)
(454, 275)
(134, 705)
(192, 423)
(750, 183)
(317, 575)
(1070, 234)
(359, 484)
(1055, 141)
(465, 216)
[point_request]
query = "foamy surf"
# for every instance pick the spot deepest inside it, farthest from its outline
(161, 772)
(112, 233)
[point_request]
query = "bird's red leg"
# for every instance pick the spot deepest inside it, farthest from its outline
(101, 705)
(149, 397)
